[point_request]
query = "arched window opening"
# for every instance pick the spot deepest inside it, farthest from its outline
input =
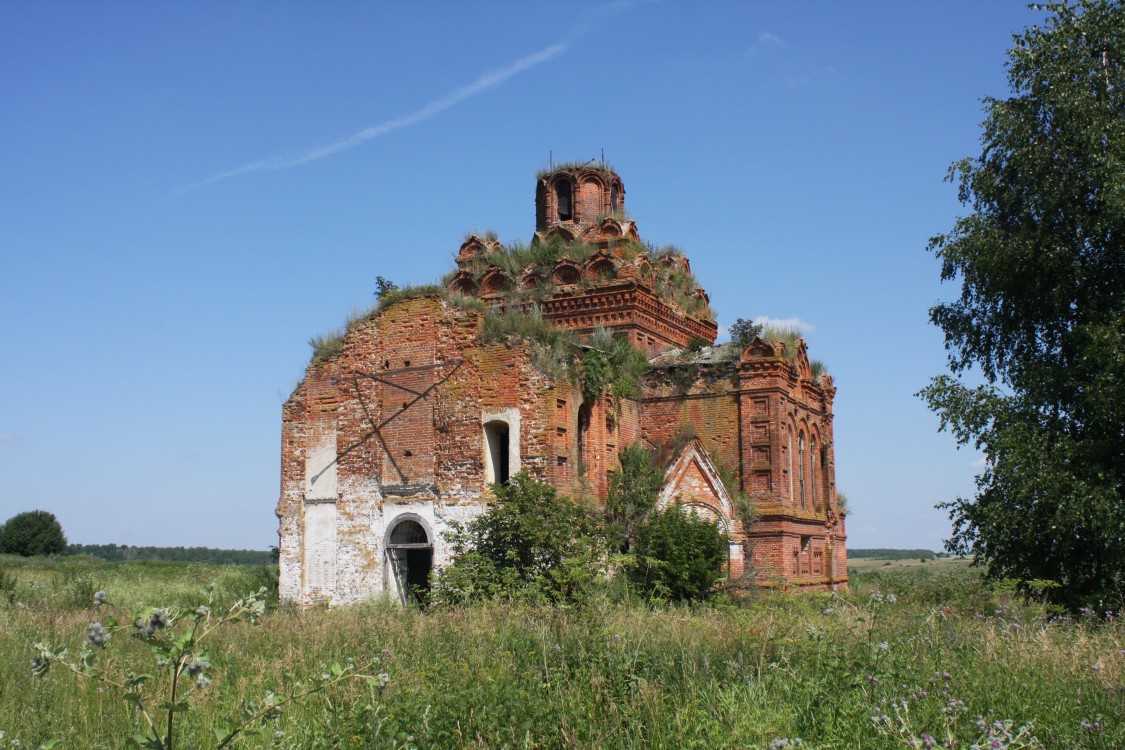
(497, 460)
(613, 199)
(410, 560)
(824, 476)
(789, 459)
(812, 476)
(565, 200)
(584, 414)
(801, 464)
(409, 532)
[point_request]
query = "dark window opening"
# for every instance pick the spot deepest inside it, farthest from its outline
(584, 414)
(563, 194)
(409, 532)
(613, 197)
(801, 465)
(812, 476)
(496, 436)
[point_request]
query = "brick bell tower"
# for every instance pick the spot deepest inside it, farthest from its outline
(604, 274)
(575, 199)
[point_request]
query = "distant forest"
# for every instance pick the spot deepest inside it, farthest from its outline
(116, 552)
(895, 554)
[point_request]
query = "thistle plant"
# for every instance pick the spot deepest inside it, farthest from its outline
(183, 670)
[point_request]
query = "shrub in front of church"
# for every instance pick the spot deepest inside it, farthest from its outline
(678, 556)
(532, 545)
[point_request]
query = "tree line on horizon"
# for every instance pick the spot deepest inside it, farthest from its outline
(122, 552)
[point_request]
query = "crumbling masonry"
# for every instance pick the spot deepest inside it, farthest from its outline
(401, 427)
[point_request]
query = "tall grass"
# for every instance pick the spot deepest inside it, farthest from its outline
(741, 673)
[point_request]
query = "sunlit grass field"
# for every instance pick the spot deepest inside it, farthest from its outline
(929, 647)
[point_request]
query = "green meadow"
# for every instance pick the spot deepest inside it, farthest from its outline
(924, 655)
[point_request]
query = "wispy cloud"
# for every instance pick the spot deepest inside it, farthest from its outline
(795, 323)
(484, 83)
(766, 39)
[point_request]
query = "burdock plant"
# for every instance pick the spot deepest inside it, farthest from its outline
(183, 670)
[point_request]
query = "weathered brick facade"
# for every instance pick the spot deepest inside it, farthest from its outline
(401, 431)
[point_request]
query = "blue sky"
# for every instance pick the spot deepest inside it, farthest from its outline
(188, 192)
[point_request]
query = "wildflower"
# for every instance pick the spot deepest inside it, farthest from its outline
(97, 635)
(883, 646)
(386, 652)
(892, 599)
(197, 666)
(158, 620)
(202, 611)
(39, 665)
(99, 598)
(202, 681)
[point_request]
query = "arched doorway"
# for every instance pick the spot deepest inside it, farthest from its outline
(410, 558)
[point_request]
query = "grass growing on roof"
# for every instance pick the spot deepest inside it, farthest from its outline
(571, 166)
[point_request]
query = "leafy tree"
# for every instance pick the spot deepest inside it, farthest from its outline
(742, 331)
(532, 545)
(384, 286)
(679, 556)
(35, 532)
(1041, 315)
(633, 490)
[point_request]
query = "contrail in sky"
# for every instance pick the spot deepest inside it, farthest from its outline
(484, 83)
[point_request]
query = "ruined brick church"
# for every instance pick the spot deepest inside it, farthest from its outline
(401, 426)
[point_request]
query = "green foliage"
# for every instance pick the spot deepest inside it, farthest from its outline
(744, 506)
(183, 671)
(679, 556)
(730, 674)
(818, 371)
(633, 490)
(743, 331)
(326, 346)
(892, 554)
(1041, 314)
(788, 336)
(34, 532)
(384, 286)
(532, 545)
(571, 166)
(410, 291)
(613, 364)
(117, 552)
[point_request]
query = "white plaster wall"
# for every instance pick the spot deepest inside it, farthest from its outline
(320, 466)
(361, 566)
(320, 551)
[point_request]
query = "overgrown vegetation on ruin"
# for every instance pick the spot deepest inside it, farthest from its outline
(537, 261)
(536, 546)
(597, 165)
(908, 656)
